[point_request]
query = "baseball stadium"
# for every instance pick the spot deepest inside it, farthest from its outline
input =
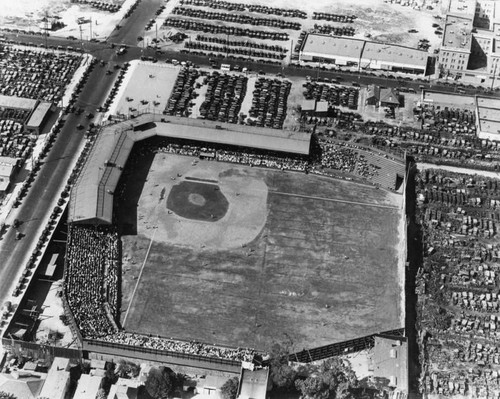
(220, 240)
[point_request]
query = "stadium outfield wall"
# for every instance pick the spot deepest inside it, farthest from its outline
(92, 196)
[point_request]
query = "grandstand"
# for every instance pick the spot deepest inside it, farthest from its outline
(92, 197)
(293, 217)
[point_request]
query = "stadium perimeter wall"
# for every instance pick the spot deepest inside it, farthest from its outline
(103, 350)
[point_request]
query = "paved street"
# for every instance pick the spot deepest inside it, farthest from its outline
(38, 204)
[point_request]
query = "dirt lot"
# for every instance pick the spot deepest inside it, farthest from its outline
(307, 257)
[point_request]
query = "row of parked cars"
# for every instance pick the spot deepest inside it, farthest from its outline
(236, 18)
(269, 102)
(182, 93)
(189, 24)
(224, 96)
(242, 7)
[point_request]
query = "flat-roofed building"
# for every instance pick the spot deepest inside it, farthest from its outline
(390, 360)
(8, 168)
(364, 54)
(467, 7)
(391, 57)
(253, 384)
(38, 117)
(331, 49)
(58, 380)
(488, 118)
(87, 387)
(456, 44)
(17, 102)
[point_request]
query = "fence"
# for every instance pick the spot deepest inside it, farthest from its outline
(341, 348)
(109, 350)
(39, 351)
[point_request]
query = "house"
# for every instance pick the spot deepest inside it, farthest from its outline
(389, 98)
(21, 385)
(372, 95)
(307, 107)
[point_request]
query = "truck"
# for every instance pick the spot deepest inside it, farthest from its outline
(225, 67)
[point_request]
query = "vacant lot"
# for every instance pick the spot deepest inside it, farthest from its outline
(313, 259)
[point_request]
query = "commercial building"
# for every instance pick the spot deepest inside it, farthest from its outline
(91, 199)
(38, 117)
(456, 45)
(488, 118)
(363, 54)
(8, 168)
(17, 102)
(58, 380)
(390, 361)
(87, 387)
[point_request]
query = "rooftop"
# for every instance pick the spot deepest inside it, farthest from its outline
(395, 54)
(57, 381)
(457, 33)
(16, 102)
(254, 384)
(87, 387)
(358, 48)
(488, 113)
(340, 46)
(39, 114)
(466, 7)
(390, 360)
(92, 196)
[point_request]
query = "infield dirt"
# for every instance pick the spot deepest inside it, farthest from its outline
(299, 257)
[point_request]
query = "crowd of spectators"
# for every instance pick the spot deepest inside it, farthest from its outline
(92, 278)
(36, 74)
(188, 347)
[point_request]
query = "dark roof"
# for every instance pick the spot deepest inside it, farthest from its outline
(389, 96)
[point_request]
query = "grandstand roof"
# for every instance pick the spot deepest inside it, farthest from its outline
(333, 45)
(92, 196)
(39, 114)
(17, 102)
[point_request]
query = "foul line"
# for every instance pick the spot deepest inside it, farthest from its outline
(139, 278)
(335, 200)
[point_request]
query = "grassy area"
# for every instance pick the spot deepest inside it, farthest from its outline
(323, 267)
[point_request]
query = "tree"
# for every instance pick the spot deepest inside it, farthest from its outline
(5, 395)
(161, 383)
(282, 374)
(230, 388)
(333, 379)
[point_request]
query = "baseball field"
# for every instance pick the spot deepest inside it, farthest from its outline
(241, 256)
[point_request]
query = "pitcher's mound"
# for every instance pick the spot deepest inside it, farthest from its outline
(198, 201)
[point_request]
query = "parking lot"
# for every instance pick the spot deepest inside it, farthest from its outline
(146, 88)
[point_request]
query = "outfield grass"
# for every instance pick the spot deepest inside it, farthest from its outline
(323, 269)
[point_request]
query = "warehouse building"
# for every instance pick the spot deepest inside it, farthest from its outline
(39, 117)
(488, 118)
(363, 54)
